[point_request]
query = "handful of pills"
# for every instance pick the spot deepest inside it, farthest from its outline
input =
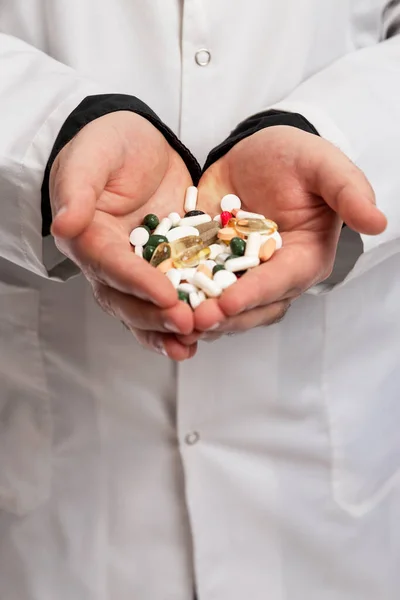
(202, 256)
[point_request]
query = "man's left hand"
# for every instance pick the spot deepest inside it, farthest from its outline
(309, 188)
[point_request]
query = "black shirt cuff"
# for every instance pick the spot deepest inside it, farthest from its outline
(94, 107)
(255, 123)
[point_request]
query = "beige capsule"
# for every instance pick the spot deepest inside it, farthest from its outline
(267, 250)
(263, 226)
(208, 232)
(184, 252)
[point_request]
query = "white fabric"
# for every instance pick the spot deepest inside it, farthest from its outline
(292, 490)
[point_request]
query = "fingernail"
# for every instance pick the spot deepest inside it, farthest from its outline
(214, 327)
(159, 347)
(171, 327)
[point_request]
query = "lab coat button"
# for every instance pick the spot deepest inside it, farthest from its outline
(192, 438)
(203, 57)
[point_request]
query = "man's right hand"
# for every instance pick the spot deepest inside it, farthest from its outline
(116, 170)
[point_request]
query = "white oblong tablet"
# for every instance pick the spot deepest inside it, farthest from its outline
(191, 198)
(253, 244)
(224, 279)
(242, 263)
(188, 288)
(230, 202)
(194, 300)
(196, 220)
(174, 217)
(207, 285)
(163, 227)
(174, 275)
(180, 232)
(187, 274)
(278, 239)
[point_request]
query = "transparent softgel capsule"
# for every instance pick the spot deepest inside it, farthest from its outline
(161, 253)
(188, 252)
(263, 226)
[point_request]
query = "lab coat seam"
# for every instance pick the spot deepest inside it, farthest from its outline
(353, 508)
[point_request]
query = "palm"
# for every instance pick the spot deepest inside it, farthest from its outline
(142, 174)
(120, 207)
(267, 183)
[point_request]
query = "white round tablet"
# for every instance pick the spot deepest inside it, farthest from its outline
(230, 202)
(139, 236)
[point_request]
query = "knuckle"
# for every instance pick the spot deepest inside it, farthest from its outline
(102, 297)
(280, 312)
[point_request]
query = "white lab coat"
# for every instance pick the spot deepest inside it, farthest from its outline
(268, 467)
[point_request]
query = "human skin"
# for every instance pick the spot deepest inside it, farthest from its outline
(120, 167)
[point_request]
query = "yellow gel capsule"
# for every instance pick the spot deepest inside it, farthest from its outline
(191, 257)
(161, 253)
(247, 226)
(186, 243)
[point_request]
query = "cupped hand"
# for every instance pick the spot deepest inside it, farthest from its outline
(309, 188)
(116, 170)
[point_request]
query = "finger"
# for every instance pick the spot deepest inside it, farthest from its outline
(256, 317)
(192, 338)
(292, 270)
(114, 264)
(167, 345)
(78, 177)
(141, 315)
(331, 175)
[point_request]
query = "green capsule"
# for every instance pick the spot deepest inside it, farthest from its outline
(148, 252)
(184, 297)
(156, 240)
(218, 268)
(238, 246)
(151, 221)
(232, 256)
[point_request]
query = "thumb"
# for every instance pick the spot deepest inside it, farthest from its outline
(78, 177)
(345, 189)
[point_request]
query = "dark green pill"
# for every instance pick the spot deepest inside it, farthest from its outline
(218, 268)
(156, 240)
(238, 246)
(184, 297)
(151, 221)
(232, 256)
(194, 213)
(148, 252)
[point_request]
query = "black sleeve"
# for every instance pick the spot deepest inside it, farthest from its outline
(255, 123)
(94, 107)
